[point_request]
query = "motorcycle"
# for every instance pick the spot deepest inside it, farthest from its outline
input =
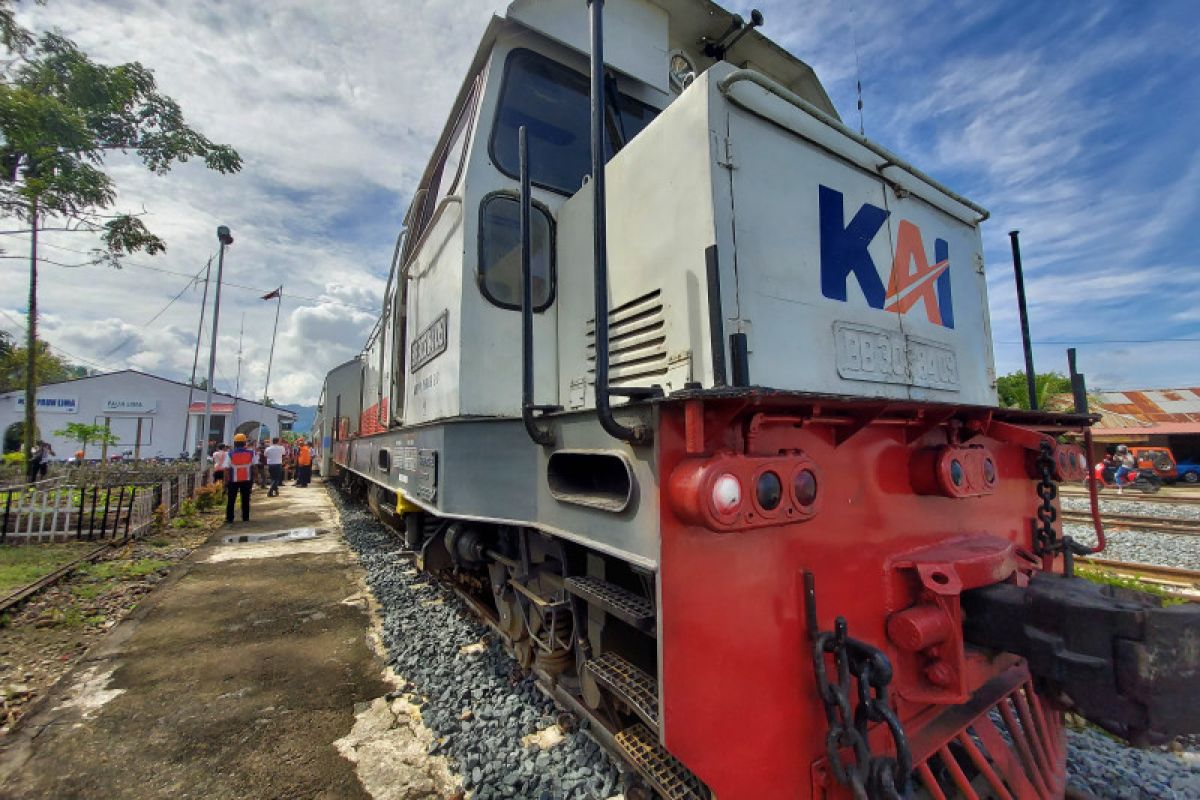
(1143, 480)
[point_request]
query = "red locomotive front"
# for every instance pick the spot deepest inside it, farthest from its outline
(853, 528)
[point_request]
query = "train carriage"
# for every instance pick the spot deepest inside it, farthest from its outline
(688, 389)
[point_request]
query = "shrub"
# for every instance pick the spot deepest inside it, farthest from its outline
(15, 459)
(209, 497)
(187, 515)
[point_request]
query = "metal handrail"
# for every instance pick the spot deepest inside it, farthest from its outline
(725, 85)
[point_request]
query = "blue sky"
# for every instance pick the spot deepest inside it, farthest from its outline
(1075, 122)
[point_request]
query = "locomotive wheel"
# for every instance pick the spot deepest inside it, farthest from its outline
(523, 653)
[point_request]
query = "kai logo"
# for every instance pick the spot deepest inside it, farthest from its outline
(913, 280)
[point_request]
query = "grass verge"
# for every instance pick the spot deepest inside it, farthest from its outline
(23, 564)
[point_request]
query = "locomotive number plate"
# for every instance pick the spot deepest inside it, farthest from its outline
(430, 343)
(867, 353)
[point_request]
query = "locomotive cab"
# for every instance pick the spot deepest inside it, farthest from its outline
(743, 470)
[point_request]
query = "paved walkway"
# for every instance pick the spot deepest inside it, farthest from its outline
(232, 680)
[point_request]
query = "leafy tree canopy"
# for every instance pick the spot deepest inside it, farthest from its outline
(87, 434)
(1014, 393)
(50, 368)
(61, 113)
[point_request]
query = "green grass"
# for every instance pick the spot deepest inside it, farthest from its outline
(1106, 578)
(24, 564)
(124, 570)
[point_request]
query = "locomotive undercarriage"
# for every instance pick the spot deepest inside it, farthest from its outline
(582, 622)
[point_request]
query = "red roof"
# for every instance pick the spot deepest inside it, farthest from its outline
(217, 408)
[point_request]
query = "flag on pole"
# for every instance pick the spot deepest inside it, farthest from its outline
(274, 294)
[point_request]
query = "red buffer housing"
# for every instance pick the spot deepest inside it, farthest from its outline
(895, 510)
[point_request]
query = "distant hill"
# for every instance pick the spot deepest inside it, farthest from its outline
(305, 415)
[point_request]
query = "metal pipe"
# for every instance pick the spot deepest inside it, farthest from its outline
(889, 158)
(1078, 385)
(537, 434)
(225, 239)
(1030, 375)
(196, 360)
(638, 435)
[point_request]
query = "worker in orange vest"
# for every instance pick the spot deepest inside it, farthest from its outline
(239, 477)
(303, 463)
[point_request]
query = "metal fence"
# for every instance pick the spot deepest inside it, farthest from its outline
(114, 506)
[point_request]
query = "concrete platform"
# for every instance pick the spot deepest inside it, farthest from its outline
(232, 680)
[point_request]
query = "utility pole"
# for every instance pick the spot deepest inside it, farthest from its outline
(1026, 342)
(237, 382)
(226, 239)
(30, 431)
(278, 294)
(187, 420)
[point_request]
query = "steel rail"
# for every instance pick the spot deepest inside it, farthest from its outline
(1186, 527)
(1134, 496)
(29, 590)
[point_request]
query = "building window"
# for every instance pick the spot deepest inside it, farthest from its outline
(499, 274)
(552, 102)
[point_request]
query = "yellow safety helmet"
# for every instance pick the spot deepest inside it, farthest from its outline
(239, 438)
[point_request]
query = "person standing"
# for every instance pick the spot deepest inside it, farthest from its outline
(34, 466)
(239, 478)
(260, 465)
(274, 455)
(219, 458)
(303, 464)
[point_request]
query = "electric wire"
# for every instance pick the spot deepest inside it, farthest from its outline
(258, 290)
(191, 283)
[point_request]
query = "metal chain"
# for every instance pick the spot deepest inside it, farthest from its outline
(1045, 539)
(870, 777)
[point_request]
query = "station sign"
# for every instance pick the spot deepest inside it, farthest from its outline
(130, 405)
(51, 405)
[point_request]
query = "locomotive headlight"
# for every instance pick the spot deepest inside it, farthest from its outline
(768, 491)
(726, 494)
(804, 485)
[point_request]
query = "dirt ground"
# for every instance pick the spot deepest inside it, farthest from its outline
(233, 679)
(44, 637)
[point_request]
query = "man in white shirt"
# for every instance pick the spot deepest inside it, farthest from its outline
(219, 459)
(274, 453)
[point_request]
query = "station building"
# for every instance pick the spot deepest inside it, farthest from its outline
(151, 417)
(1150, 417)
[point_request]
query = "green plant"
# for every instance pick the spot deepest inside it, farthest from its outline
(83, 433)
(186, 518)
(209, 497)
(15, 458)
(1106, 578)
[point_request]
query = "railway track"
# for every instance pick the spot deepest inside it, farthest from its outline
(30, 589)
(1190, 499)
(1188, 527)
(1184, 582)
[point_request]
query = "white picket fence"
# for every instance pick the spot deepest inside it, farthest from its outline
(55, 510)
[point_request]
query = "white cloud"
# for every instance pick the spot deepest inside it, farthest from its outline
(335, 108)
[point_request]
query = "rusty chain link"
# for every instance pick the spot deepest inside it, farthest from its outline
(1045, 539)
(870, 776)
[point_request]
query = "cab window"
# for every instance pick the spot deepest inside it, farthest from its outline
(551, 101)
(499, 273)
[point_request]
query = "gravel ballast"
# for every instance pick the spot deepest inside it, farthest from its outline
(479, 715)
(476, 711)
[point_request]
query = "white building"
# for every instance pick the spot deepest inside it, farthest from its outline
(147, 414)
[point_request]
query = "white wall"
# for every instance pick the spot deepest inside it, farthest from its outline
(125, 398)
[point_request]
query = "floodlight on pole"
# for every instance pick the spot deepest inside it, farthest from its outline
(226, 239)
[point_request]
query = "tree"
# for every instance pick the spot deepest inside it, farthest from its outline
(61, 114)
(84, 434)
(50, 368)
(1014, 393)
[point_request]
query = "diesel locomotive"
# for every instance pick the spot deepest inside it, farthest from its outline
(687, 388)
